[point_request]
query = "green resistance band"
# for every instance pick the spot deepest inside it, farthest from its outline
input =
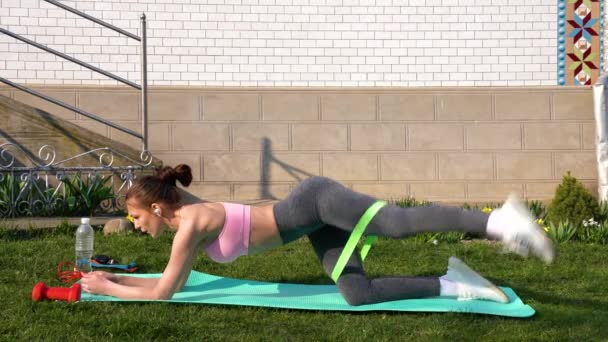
(354, 238)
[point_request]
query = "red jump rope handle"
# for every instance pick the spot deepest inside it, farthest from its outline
(69, 294)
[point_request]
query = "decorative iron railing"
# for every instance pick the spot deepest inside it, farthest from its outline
(50, 187)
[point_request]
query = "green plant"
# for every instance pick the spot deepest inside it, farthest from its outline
(596, 233)
(10, 186)
(53, 201)
(32, 197)
(425, 237)
(487, 208)
(602, 214)
(25, 195)
(42, 200)
(538, 209)
(451, 237)
(572, 202)
(561, 232)
(434, 238)
(84, 197)
(411, 202)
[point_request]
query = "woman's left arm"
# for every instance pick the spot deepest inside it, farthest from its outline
(183, 252)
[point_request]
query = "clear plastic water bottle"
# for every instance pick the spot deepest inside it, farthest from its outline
(84, 245)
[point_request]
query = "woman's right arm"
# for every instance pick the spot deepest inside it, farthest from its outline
(147, 282)
(136, 281)
(128, 280)
(183, 250)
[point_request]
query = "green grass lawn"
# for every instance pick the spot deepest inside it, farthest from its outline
(570, 297)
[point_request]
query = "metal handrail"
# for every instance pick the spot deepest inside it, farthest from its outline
(69, 58)
(144, 71)
(93, 19)
(144, 83)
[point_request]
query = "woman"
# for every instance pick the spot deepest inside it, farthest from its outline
(326, 212)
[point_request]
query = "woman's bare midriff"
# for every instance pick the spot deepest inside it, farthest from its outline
(264, 230)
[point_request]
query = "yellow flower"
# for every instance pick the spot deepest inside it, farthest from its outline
(546, 229)
(130, 218)
(486, 210)
(540, 221)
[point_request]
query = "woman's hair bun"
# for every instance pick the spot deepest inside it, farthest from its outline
(181, 173)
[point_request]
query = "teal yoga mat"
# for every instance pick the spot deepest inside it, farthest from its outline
(205, 288)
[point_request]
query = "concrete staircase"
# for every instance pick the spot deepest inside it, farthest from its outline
(31, 128)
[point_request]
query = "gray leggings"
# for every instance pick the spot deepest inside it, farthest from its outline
(327, 212)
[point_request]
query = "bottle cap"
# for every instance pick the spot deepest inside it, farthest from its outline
(85, 220)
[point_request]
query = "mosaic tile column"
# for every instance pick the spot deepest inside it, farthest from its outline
(604, 36)
(580, 29)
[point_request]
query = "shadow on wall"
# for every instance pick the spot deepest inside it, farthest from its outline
(6, 159)
(52, 128)
(94, 157)
(267, 159)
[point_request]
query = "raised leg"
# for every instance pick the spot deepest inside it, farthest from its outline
(318, 201)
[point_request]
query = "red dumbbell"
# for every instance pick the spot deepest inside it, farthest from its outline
(70, 294)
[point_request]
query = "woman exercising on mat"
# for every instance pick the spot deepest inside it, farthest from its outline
(326, 212)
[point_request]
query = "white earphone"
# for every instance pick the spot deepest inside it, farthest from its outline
(157, 212)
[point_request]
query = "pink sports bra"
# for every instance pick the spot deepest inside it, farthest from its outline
(233, 241)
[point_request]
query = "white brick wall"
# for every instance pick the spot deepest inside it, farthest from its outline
(289, 42)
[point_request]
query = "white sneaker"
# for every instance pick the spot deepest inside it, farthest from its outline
(470, 285)
(516, 228)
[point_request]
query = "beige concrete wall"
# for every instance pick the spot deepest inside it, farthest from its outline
(440, 144)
